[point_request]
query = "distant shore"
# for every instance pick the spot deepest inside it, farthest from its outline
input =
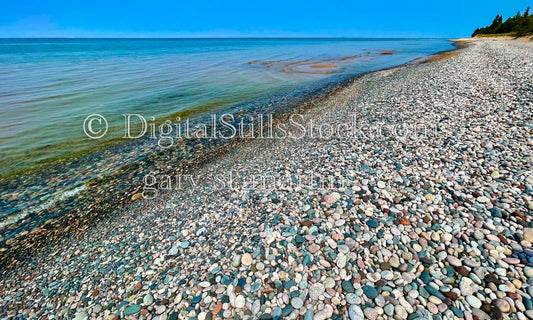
(462, 43)
(527, 38)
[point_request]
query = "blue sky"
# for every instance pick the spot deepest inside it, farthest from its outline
(239, 18)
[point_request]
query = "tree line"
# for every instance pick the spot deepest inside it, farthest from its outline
(519, 25)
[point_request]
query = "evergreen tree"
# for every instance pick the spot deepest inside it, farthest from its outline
(519, 25)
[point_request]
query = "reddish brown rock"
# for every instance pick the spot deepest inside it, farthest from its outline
(450, 294)
(462, 271)
(307, 223)
(503, 238)
(217, 309)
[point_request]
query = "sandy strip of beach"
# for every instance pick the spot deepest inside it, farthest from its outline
(417, 204)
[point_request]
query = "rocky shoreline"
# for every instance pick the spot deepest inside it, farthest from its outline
(424, 214)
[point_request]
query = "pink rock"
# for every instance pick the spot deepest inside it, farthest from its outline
(511, 260)
(325, 264)
(314, 248)
(337, 236)
(442, 307)
(332, 198)
(432, 308)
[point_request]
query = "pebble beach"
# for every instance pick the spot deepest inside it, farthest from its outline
(425, 214)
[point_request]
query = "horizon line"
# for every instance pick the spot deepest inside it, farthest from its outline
(273, 37)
